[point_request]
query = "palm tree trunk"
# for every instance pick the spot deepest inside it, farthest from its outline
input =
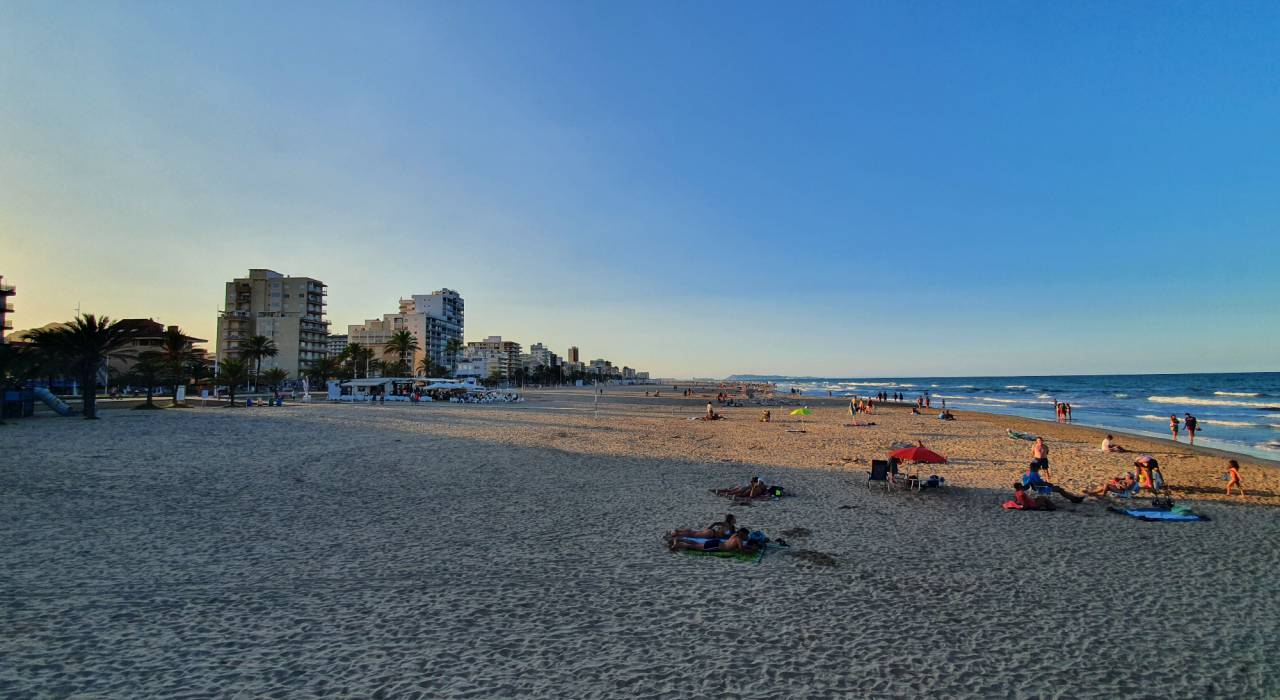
(89, 394)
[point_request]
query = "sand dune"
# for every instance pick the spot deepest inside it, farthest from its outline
(429, 551)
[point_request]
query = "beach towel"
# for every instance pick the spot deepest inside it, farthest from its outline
(1013, 505)
(1021, 436)
(1177, 515)
(755, 556)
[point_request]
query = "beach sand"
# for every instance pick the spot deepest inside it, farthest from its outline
(515, 550)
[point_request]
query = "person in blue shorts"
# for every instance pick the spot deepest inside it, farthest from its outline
(1033, 480)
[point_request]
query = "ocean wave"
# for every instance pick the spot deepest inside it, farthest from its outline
(1148, 416)
(1120, 396)
(1030, 402)
(1015, 386)
(1044, 396)
(1272, 446)
(1230, 423)
(1206, 402)
(1248, 394)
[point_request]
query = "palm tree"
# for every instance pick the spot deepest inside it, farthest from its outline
(402, 344)
(427, 367)
(254, 349)
(147, 372)
(198, 370)
(84, 345)
(274, 377)
(233, 372)
(451, 349)
(324, 369)
(176, 354)
(357, 355)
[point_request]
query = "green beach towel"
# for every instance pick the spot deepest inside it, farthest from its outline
(755, 556)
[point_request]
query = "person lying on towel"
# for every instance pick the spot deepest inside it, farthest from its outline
(1118, 484)
(721, 530)
(755, 489)
(738, 542)
(1023, 499)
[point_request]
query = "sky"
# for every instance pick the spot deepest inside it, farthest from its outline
(695, 189)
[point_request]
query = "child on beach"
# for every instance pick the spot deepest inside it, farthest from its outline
(1233, 477)
(1173, 426)
(1109, 445)
(1119, 484)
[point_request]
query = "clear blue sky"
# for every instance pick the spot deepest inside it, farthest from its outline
(699, 188)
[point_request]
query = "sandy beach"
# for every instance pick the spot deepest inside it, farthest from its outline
(439, 550)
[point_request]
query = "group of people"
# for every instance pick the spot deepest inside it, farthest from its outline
(859, 405)
(1062, 409)
(1031, 492)
(1189, 423)
(721, 536)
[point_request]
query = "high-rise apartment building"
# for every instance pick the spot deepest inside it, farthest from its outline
(288, 310)
(499, 354)
(335, 345)
(433, 319)
(573, 354)
(6, 307)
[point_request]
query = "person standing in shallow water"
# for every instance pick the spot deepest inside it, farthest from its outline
(1192, 425)
(1173, 426)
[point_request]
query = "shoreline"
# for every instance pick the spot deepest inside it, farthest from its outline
(1021, 423)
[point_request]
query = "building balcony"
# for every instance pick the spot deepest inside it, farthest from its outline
(7, 289)
(8, 307)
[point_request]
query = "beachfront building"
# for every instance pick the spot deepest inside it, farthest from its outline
(477, 366)
(336, 345)
(502, 356)
(433, 319)
(288, 310)
(573, 354)
(6, 307)
(145, 335)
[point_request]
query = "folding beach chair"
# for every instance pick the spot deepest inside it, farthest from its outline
(879, 474)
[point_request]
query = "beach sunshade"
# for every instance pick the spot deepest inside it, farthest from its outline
(801, 412)
(918, 454)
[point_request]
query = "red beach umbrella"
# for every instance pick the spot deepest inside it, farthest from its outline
(919, 453)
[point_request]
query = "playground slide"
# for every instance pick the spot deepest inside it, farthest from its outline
(58, 405)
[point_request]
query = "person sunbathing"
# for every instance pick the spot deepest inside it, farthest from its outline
(1119, 484)
(724, 528)
(1026, 501)
(737, 542)
(1033, 480)
(754, 488)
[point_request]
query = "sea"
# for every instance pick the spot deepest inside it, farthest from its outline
(1238, 412)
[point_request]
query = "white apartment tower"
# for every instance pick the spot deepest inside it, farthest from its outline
(433, 319)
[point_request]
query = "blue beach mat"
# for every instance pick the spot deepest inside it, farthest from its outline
(1177, 515)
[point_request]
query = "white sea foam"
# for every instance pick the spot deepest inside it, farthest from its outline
(1230, 423)
(1015, 386)
(1268, 446)
(1237, 393)
(1148, 416)
(1120, 396)
(1207, 402)
(1044, 396)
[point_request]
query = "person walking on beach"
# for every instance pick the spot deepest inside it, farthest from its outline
(1040, 455)
(1173, 426)
(1192, 425)
(1233, 477)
